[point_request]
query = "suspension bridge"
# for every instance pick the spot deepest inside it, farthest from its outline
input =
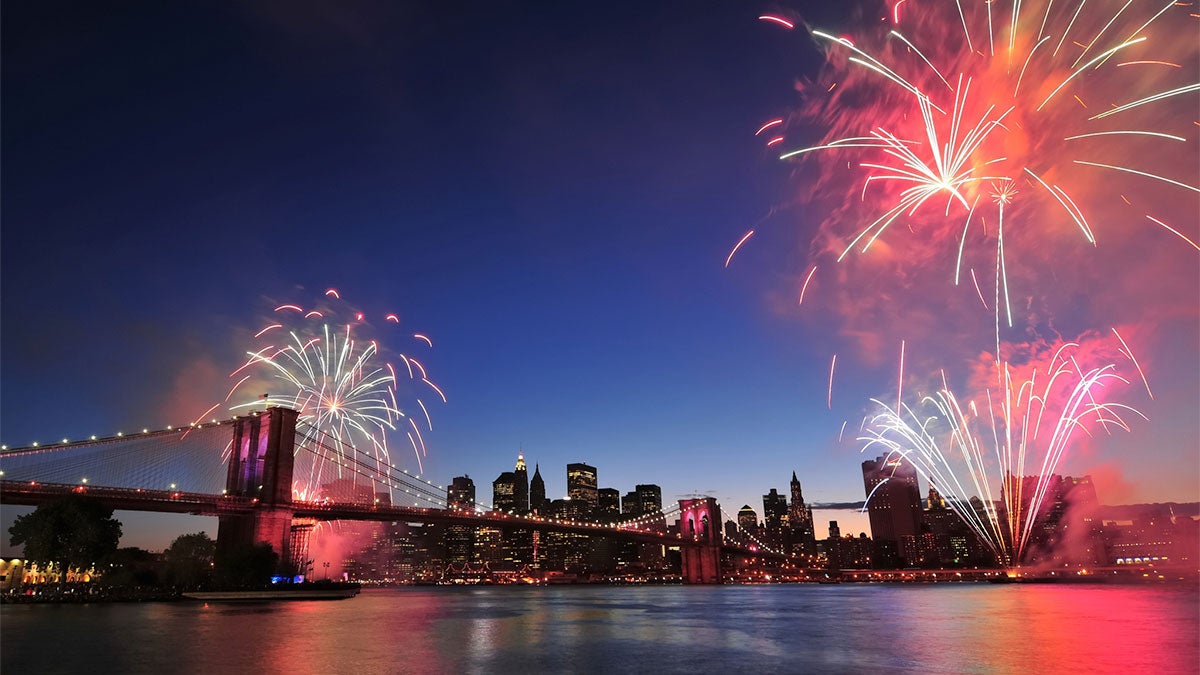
(269, 480)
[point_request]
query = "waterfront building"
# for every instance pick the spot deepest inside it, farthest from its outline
(832, 546)
(1065, 530)
(567, 551)
(894, 510)
(954, 543)
(1152, 534)
(489, 548)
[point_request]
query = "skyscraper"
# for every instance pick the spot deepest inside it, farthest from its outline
(503, 489)
(1064, 529)
(460, 539)
(747, 519)
(833, 546)
(894, 508)
(521, 485)
(630, 506)
(800, 521)
(460, 493)
(510, 492)
(609, 505)
(775, 517)
(582, 488)
(537, 492)
(649, 499)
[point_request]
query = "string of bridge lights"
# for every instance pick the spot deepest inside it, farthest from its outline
(755, 539)
(119, 434)
(389, 481)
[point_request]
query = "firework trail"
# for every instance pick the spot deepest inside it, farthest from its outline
(971, 123)
(1029, 422)
(345, 388)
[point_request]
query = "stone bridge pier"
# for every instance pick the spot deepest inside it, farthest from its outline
(700, 550)
(260, 467)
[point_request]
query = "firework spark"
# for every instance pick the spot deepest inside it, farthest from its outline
(1030, 423)
(973, 111)
(344, 388)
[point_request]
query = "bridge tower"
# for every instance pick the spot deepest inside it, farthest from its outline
(700, 551)
(260, 467)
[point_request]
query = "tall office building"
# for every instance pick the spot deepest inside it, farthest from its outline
(630, 506)
(461, 493)
(747, 519)
(833, 545)
(510, 492)
(800, 521)
(521, 485)
(775, 518)
(566, 550)
(609, 505)
(1064, 529)
(894, 509)
(582, 488)
(649, 503)
(537, 492)
(460, 539)
(649, 499)
(504, 498)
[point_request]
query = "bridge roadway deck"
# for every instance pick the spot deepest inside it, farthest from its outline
(32, 493)
(415, 514)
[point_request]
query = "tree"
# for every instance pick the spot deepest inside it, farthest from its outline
(132, 566)
(190, 559)
(246, 566)
(75, 531)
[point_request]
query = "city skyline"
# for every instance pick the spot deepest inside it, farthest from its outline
(558, 227)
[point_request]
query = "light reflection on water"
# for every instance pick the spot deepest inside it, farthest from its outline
(961, 628)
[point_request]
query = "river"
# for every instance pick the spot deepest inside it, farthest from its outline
(847, 628)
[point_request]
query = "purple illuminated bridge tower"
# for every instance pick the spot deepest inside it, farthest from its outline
(260, 467)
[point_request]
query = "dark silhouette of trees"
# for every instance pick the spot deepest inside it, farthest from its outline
(75, 531)
(190, 560)
(246, 566)
(132, 566)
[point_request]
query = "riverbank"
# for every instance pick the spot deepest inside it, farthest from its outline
(81, 593)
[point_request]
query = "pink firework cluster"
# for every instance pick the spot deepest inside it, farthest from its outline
(1007, 150)
(327, 362)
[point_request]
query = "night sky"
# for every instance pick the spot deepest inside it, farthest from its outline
(549, 191)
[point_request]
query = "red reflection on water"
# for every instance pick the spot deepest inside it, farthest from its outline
(1054, 616)
(357, 635)
(1072, 628)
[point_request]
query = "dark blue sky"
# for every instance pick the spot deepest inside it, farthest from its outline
(547, 190)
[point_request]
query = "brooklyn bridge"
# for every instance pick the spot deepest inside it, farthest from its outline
(270, 481)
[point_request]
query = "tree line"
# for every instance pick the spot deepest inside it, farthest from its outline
(78, 532)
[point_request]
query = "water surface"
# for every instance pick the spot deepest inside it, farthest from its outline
(954, 628)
